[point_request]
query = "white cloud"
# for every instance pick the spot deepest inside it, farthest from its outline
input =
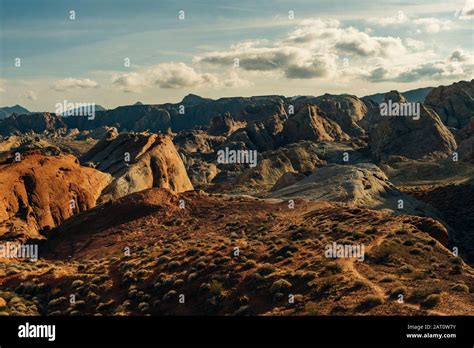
(174, 76)
(420, 25)
(313, 50)
(30, 95)
(2, 86)
(458, 65)
(400, 18)
(233, 80)
(414, 44)
(432, 25)
(72, 83)
(130, 82)
(467, 12)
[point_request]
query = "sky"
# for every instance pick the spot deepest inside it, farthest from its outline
(118, 52)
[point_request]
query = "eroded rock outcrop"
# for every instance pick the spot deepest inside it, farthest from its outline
(40, 192)
(308, 124)
(361, 185)
(454, 103)
(138, 162)
(425, 137)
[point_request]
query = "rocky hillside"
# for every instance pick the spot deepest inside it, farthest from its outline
(39, 192)
(409, 137)
(268, 260)
(453, 103)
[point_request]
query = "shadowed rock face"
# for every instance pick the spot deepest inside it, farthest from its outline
(346, 110)
(223, 125)
(138, 162)
(36, 193)
(454, 103)
(308, 124)
(37, 122)
(426, 137)
(466, 144)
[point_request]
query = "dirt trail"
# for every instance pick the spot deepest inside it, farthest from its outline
(348, 265)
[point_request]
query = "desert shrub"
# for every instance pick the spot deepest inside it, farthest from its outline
(173, 265)
(254, 280)
(100, 279)
(387, 279)
(333, 268)
(104, 306)
(358, 284)
(57, 301)
(249, 264)
(132, 293)
(431, 301)
(192, 277)
(415, 251)
(216, 287)
(370, 301)
(456, 269)
(418, 295)
(383, 254)
(401, 290)
(92, 297)
(308, 276)
(204, 287)
(455, 260)
(431, 241)
(163, 259)
(266, 269)
(280, 285)
(192, 251)
(79, 305)
(371, 231)
(143, 305)
(201, 265)
(77, 283)
(460, 287)
(406, 269)
(311, 308)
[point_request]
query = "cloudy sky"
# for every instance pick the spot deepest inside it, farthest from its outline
(117, 52)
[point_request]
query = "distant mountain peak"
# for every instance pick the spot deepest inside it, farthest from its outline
(9, 110)
(193, 98)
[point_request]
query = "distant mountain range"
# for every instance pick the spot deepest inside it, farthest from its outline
(453, 103)
(414, 95)
(8, 110)
(77, 111)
